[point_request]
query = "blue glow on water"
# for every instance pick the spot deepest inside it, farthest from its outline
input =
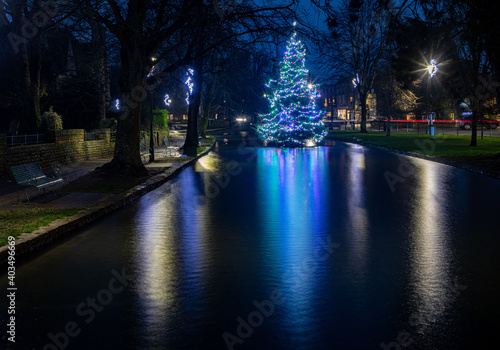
(354, 262)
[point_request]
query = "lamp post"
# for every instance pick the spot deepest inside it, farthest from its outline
(432, 69)
(151, 137)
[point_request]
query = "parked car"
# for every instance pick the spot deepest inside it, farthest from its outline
(466, 124)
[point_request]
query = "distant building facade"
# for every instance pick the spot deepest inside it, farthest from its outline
(341, 101)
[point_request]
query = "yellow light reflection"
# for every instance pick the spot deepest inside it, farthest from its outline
(211, 162)
(171, 248)
(157, 258)
(356, 208)
(429, 256)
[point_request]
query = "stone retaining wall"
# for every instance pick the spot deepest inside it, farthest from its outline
(68, 146)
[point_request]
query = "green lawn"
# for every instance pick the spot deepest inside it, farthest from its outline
(440, 146)
(486, 156)
(16, 221)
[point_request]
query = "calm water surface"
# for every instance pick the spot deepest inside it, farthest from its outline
(336, 247)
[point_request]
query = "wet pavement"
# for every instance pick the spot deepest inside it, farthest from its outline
(10, 191)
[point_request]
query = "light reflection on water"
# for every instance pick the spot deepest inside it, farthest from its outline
(430, 257)
(170, 259)
(356, 207)
(207, 245)
(292, 223)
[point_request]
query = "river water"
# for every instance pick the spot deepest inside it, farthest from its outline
(335, 247)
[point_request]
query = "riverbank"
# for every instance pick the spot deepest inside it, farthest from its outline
(91, 197)
(448, 149)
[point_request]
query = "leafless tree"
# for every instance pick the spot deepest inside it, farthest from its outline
(25, 23)
(358, 41)
(175, 33)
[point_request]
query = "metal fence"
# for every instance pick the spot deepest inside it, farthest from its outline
(92, 135)
(17, 140)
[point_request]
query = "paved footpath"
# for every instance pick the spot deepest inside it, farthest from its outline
(93, 205)
(9, 189)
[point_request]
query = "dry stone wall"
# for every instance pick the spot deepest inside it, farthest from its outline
(68, 146)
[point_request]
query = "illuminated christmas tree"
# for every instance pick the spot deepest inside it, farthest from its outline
(293, 120)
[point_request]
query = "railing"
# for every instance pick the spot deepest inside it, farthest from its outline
(89, 136)
(17, 140)
(342, 125)
(92, 135)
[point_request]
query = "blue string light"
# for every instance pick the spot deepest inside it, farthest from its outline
(293, 120)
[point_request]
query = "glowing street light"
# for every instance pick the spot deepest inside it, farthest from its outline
(167, 100)
(432, 68)
(355, 81)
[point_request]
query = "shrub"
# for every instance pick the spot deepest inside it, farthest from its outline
(160, 117)
(51, 121)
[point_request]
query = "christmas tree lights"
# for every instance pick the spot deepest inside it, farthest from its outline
(293, 120)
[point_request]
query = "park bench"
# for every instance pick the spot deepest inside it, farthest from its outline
(171, 150)
(144, 154)
(31, 175)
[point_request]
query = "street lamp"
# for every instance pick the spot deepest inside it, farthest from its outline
(151, 139)
(167, 100)
(432, 68)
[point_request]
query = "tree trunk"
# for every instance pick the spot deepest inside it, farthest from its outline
(27, 120)
(362, 98)
(204, 119)
(132, 83)
(37, 94)
(473, 140)
(29, 90)
(191, 144)
(28, 101)
(100, 66)
(208, 99)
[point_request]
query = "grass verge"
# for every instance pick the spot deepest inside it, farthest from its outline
(13, 222)
(486, 156)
